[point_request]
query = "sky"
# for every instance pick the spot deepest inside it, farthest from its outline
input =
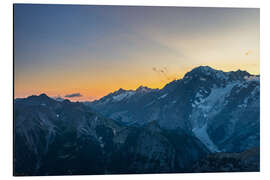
(85, 52)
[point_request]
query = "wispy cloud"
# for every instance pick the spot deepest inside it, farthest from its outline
(164, 72)
(73, 95)
(161, 71)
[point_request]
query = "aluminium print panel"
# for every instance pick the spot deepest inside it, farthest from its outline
(135, 90)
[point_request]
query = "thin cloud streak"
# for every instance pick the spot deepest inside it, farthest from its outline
(73, 95)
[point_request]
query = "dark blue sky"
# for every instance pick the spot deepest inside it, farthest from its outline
(66, 48)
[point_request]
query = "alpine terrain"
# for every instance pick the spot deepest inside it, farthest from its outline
(208, 121)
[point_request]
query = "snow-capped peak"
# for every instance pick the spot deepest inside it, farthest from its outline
(123, 95)
(143, 89)
(205, 71)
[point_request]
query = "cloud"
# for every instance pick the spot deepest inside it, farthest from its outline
(164, 73)
(73, 95)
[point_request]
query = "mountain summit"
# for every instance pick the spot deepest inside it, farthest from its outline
(213, 105)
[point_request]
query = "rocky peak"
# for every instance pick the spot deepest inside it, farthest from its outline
(143, 89)
(239, 75)
(203, 72)
(42, 98)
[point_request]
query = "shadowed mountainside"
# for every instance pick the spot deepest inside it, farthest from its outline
(207, 121)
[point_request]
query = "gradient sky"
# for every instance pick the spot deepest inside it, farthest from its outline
(94, 50)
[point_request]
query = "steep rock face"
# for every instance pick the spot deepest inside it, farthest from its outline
(53, 137)
(219, 108)
(226, 114)
(150, 149)
(61, 137)
(237, 126)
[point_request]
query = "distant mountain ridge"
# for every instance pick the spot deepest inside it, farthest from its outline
(62, 137)
(201, 70)
(217, 75)
(194, 103)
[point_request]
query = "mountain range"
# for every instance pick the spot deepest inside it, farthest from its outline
(207, 121)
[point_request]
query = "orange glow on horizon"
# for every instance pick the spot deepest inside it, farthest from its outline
(93, 91)
(78, 54)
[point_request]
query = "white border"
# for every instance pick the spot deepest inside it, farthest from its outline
(210, 3)
(6, 85)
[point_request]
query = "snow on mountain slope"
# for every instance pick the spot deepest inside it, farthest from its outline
(201, 134)
(123, 95)
(207, 107)
(194, 103)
